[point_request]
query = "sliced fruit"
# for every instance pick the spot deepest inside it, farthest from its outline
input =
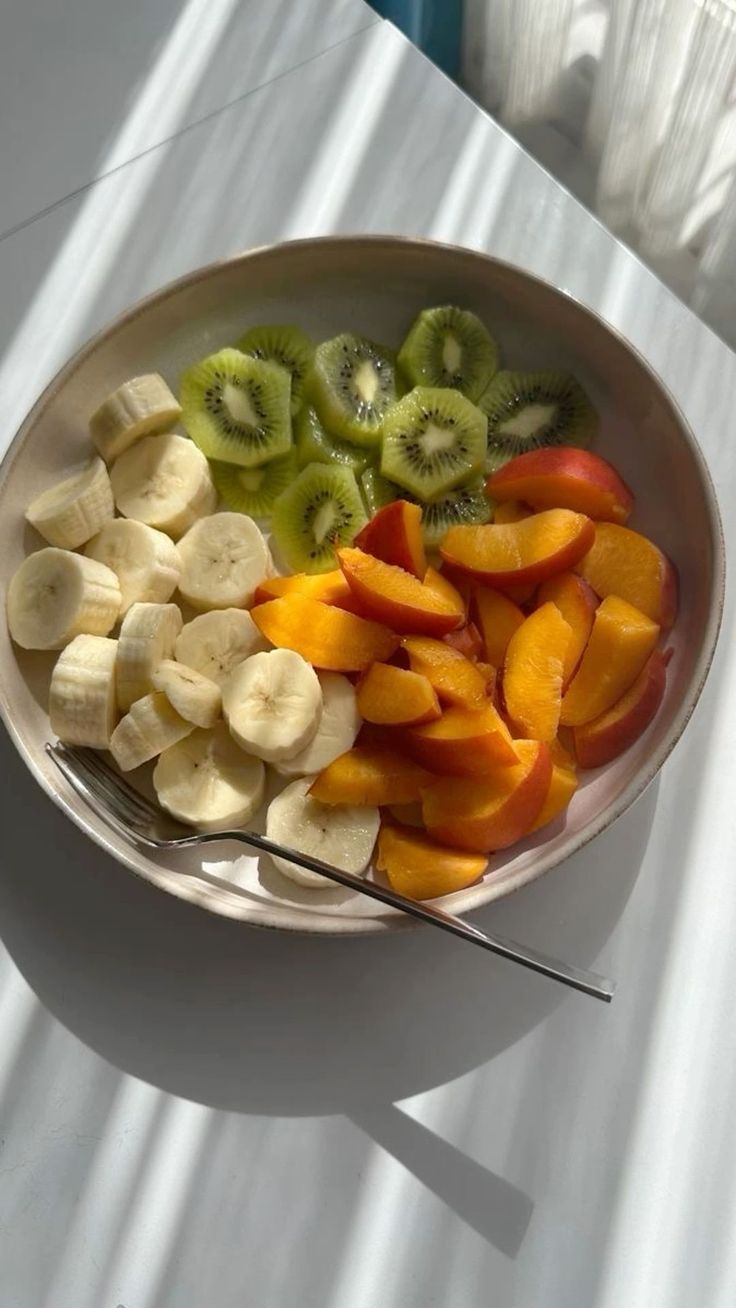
(391, 595)
(314, 444)
(82, 705)
(195, 697)
(165, 482)
(466, 640)
(620, 644)
(532, 673)
(321, 510)
(433, 439)
(55, 595)
(223, 559)
(71, 512)
(564, 478)
(288, 346)
(527, 410)
(370, 775)
(273, 704)
(237, 408)
(147, 637)
(391, 696)
(377, 491)
(498, 618)
(463, 743)
(490, 674)
(338, 727)
(446, 589)
(352, 383)
(448, 346)
(466, 505)
(145, 561)
(510, 511)
(394, 535)
(623, 562)
(493, 813)
(215, 643)
(330, 587)
(562, 787)
(149, 727)
(329, 638)
(208, 782)
(253, 490)
(456, 680)
(607, 736)
(520, 552)
(420, 869)
(343, 836)
(577, 604)
(142, 406)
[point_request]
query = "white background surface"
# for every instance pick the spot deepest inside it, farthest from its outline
(195, 1115)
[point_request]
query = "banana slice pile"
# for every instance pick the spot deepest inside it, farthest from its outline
(201, 693)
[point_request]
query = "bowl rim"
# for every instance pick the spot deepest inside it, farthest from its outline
(294, 917)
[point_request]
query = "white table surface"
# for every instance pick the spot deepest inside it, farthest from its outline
(196, 1115)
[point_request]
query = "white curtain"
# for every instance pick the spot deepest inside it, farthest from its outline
(633, 104)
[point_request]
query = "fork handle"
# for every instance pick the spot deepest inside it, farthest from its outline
(575, 977)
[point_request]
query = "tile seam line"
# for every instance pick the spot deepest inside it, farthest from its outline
(167, 140)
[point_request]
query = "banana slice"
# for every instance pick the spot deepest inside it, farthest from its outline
(145, 561)
(147, 636)
(149, 727)
(139, 407)
(165, 482)
(338, 727)
(71, 512)
(223, 559)
(56, 595)
(215, 643)
(207, 781)
(272, 704)
(83, 708)
(195, 698)
(343, 836)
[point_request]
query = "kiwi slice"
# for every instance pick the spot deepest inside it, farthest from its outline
(236, 408)
(433, 440)
(315, 445)
(288, 346)
(377, 491)
(352, 383)
(527, 410)
(320, 510)
(465, 506)
(448, 346)
(253, 490)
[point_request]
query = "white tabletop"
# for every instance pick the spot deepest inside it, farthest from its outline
(198, 1115)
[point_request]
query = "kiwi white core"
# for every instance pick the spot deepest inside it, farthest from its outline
(452, 354)
(434, 438)
(237, 402)
(366, 381)
(323, 521)
(528, 420)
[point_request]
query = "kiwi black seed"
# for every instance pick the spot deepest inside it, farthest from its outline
(253, 490)
(236, 408)
(465, 506)
(450, 347)
(351, 385)
(528, 410)
(315, 445)
(288, 346)
(433, 440)
(320, 510)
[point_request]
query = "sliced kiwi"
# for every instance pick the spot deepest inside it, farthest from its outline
(315, 445)
(448, 346)
(320, 510)
(464, 506)
(526, 410)
(377, 491)
(253, 490)
(433, 439)
(288, 346)
(351, 385)
(236, 408)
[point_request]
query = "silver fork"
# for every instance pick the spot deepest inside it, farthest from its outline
(137, 819)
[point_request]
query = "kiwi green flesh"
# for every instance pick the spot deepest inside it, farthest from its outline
(434, 439)
(527, 411)
(285, 345)
(320, 510)
(449, 347)
(378, 491)
(464, 506)
(315, 445)
(351, 385)
(253, 490)
(237, 408)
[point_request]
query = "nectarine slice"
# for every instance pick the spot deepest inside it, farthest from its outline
(563, 477)
(330, 587)
(562, 787)
(394, 534)
(510, 511)
(623, 562)
(463, 743)
(466, 640)
(533, 671)
(420, 869)
(607, 736)
(389, 594)
(438, 582)
(620, 644)
(495, 812)
(519, 552)
(396, 697)
(498, 618)
(577, 604)
(456, 680)
(327, 637)
(370, 776)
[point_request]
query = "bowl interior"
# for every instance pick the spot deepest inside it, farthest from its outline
(375, 286)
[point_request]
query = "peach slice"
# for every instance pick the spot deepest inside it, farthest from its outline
(388, 594)
(577, 604)
(563, 477)
(456, 680)
(533, 671)
(499, 618)
(607, 736)
(483, 815)
(623, 562)
(562, 787)
(466, 640)
(442, 586)
(510, 511)
(394, 534)
(329, 587)
(515, 553)
(463, 743)
(370, 776)
(329, 638)
(420, 869)
(490, 674)
(395, 697)
(620, 644)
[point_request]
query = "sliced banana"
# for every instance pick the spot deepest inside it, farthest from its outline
(165, 482)
(138, 408)
(272, 704)
(71, 512)
(83, 707)
(144, 560)
(147, 636)
(207, 781)
(56, 595)
(338, 727)
(215, 643)
(149, 727)
(194, 697)
(223, 559)
(343, 836)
